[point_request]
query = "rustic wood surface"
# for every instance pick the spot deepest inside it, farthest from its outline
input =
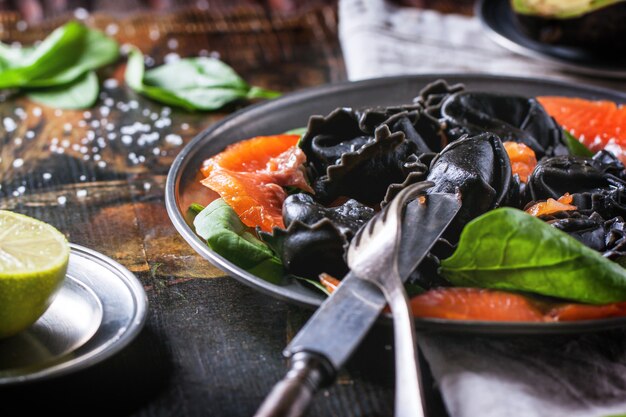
(211, 346)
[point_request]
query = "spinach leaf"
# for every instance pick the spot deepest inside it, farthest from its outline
(297, 131)
(66, 54)
(574, 146)
(191, 83)
(315, 284)
(512, 250)
(79, 94)
(225, 234)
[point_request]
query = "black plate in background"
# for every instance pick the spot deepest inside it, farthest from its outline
(292, 111)
(498, 18)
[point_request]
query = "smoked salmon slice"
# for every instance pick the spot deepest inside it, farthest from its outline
(597, 124)
(250, 176)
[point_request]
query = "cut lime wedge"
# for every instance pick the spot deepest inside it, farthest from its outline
(33, 262)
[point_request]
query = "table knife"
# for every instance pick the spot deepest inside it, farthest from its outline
(331, 335)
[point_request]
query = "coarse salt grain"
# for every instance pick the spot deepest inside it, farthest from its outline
(174, 139)
(9, 124)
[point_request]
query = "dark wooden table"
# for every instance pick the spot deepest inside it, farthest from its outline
(211, 345)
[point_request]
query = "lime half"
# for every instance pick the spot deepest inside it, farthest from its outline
(33, 262)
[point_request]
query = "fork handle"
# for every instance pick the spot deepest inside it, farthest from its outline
(408, 401)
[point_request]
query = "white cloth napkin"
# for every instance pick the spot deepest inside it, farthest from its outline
(537, 376)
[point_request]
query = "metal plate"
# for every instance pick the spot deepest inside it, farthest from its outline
(292, 111)
(500, 23)
(99, 309)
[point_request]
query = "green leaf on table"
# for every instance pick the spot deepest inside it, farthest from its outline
(225, 234)
(574, 146)
(78, 94)
(509, 249)
(66, 54)
(192, 83)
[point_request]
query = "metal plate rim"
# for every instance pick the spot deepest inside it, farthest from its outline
(182, 159)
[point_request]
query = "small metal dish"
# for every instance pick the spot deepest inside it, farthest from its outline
(99, 309)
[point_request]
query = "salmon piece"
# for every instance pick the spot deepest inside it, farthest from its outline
(251, 154)
(597, 124)
(523, 159)
(574, 312)
(250, 176)
(457, 303)
(253, 196)
(552, 206)
(329, 282)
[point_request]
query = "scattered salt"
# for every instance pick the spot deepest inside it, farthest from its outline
(174, 139)
(9, 124)
(171, 57)
(81, 13)
(111, 29)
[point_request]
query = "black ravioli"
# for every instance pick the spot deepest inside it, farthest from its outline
(605, 236)
(359, 153)
(366, 173)
(512, 118)
(479, 168)
(309, 250)
(597, 184)
(423, 131)
(348, 217)
(432, 96)
(315, 237)
(328, 138)
(417, 170)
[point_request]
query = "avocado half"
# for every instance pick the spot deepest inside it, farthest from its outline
(597, 26)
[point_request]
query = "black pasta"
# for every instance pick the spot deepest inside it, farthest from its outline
(512, 118)
(315, 236)
(605, 236)
(479, 168)
(597, 184)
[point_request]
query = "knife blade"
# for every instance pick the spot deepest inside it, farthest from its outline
(331, 335)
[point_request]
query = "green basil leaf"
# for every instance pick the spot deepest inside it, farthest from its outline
(193, 73)
(66, 54)
(574, 146)
(191, 83)
(315, 284)
(79, 94)
(56, 52)
(258, 92)
(297, 131)
(225, 234)
(509, 249)
(134, 74)
(210, 98)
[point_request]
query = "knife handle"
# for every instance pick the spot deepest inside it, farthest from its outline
(291, 396)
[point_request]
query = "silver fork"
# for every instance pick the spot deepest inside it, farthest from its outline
(373, 256)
